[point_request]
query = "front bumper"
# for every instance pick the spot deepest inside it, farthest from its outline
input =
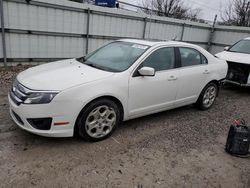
(21, 113)
(238, 74)
(237, 83)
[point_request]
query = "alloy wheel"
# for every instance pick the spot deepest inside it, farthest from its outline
(100, 121)
(209, 96)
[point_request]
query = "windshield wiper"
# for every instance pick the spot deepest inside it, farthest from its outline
(101, 67)
(94, 66)
(84, 61)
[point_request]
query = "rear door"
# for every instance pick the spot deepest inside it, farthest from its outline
(193, 75)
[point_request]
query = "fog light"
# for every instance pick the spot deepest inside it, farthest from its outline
(40, 123)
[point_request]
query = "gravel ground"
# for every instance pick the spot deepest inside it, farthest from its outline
(177, 148)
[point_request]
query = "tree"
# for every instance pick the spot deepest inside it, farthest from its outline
(237, 13)
(170, 8)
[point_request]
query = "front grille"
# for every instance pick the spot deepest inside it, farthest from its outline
(238, 72)
(18, 93)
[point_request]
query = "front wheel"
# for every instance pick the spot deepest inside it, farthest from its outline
(98, 120)
(207, 96)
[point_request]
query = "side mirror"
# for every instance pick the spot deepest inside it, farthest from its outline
(146, 71)
(226, 48)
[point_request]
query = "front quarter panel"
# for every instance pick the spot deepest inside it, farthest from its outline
(78, 97)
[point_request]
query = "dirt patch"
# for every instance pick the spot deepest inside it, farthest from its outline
(177, 148)
(7, 74)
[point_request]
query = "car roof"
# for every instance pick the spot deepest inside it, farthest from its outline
(248, 38)
(155, 43)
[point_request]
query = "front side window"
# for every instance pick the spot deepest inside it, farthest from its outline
(242, 46)
(115, 57)
(190, 57)
(162, 59)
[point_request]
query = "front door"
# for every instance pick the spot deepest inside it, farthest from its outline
(149, 94)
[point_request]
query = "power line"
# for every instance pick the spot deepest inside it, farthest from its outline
(205, 5)
(145, 9)
(135, 6)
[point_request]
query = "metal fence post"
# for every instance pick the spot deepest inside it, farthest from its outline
(145, 27)
(211, 34)
(182, 31)
(87, 34)
(3, 34)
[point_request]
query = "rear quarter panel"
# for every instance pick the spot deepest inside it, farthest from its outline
(220, 68)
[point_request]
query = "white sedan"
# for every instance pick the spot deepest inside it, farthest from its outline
(238, 59)
(123, 80)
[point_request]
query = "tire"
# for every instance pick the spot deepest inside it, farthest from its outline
(98, 120)
(207, 97)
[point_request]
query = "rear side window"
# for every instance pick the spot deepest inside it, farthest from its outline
(161, 59)
(203, 59)
(190, 57)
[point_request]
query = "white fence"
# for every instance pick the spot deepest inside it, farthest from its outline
(46, 30)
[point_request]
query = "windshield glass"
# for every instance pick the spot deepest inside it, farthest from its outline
(115, 57)
(242, 46)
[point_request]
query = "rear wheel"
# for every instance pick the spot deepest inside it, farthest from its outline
(207, 96)
(98, 120)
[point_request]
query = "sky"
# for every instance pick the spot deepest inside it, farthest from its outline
(209, 7)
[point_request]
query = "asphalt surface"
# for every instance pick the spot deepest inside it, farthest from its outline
(177, 148)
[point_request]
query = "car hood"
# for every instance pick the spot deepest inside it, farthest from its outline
(234, 57)
(60, 75)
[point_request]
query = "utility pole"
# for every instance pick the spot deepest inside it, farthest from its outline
(212, 33)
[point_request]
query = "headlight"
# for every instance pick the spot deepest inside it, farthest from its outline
(39, 98)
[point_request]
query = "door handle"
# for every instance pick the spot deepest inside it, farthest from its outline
(206, 72)
(172, 78)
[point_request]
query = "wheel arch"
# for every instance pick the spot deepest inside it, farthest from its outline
(217, 83)
(198, 102)
(112, 98)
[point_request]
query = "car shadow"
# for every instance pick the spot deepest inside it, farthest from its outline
(236, 89)
(157, 117)
(28, 139)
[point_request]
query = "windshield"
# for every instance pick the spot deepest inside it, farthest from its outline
(115, 57)
(242, 46)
